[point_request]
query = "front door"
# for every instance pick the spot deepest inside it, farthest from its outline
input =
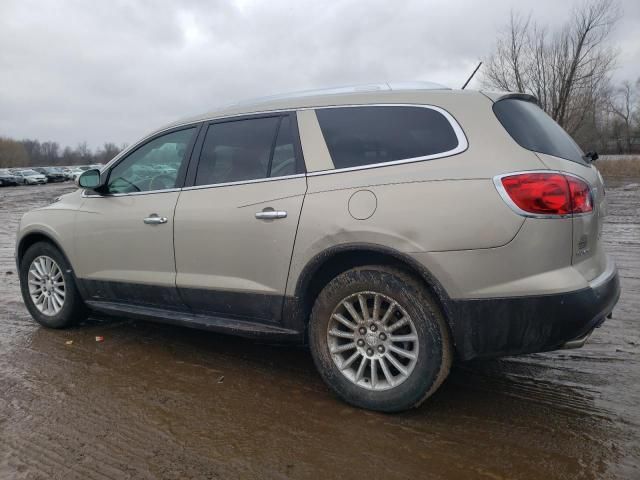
(124, 238)
(236, 226)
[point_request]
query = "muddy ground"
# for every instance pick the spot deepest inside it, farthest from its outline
(156, 401)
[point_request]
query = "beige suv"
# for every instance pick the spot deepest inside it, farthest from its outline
(393, 228)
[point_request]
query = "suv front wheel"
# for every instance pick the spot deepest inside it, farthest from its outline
(48, 287)
(379, 339)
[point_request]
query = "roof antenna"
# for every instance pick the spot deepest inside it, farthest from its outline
(469, 79)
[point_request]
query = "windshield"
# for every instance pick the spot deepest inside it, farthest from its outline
(29, 172)
(535, 130)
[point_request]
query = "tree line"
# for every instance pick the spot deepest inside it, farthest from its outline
(568, 69)
(33, 153)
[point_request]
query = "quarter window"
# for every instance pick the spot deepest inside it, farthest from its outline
(357, 136)
(153, 166)
(247, 149)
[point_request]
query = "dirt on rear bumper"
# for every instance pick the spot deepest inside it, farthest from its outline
(495, 327)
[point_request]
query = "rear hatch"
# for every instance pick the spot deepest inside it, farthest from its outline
(534, 130)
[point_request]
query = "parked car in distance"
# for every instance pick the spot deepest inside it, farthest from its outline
(7, 178)
(392, 228)
(29, 177)
(66, 172)
(53, 174)
(75, 172)
(69, 171)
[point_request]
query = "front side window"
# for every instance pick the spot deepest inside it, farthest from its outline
(153, 166)
(366, 135)
(248, 149)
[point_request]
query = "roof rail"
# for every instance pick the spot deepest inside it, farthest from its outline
(362, 88)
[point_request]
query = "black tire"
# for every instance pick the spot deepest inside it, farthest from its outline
(434, 345)
(73, 309)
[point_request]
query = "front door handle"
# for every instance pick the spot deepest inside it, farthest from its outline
(271, 214)
(155, 219)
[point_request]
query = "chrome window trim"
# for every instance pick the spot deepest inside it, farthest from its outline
(195, 187)
(497, 182)
(463, 143)
(243, 182)
(129, 194)
(194, 123)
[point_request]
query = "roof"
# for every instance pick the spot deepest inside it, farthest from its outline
(365, 93)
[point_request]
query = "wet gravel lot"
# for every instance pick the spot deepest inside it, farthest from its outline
(155, 401)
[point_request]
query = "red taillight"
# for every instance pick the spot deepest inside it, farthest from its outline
(548, 193)
(581, 200)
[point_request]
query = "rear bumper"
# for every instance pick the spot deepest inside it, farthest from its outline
(509, 326)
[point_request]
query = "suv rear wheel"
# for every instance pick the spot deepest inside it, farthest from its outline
(379, 339)
(48, 287)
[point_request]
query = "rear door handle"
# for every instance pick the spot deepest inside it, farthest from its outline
(155, 219)
(271, 214)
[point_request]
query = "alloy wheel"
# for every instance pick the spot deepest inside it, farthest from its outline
(373, 340)
(46, 285)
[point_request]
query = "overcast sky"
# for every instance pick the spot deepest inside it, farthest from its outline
(112, 70)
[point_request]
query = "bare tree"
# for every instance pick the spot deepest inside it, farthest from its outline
(50, 152)
(108, 151)
(505, 68)
(622, 103)
(567, 70)
(12, 153)
(84, 152)
(34, 150)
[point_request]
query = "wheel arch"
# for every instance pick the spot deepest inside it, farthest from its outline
(331, 262)
(34, 237)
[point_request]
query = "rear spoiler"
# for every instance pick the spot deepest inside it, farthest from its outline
(495, 96)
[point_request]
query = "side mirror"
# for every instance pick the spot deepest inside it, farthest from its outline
(90, 179)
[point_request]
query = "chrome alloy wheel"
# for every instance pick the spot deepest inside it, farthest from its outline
(46, 285)
(373, 341)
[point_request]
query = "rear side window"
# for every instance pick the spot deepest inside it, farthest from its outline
(357, 136)
(535, 130)
(248, 149)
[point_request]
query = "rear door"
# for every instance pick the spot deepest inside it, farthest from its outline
(235, 226)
